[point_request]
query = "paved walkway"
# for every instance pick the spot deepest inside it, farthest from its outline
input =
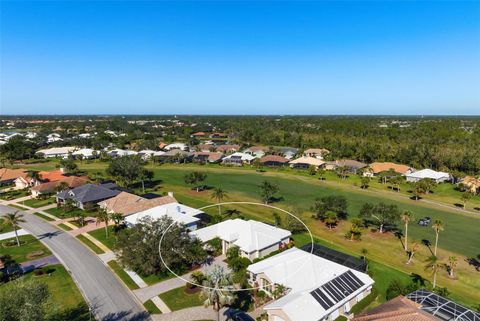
(145, 294)
(9, 235)
(17, 200)
(192, 314)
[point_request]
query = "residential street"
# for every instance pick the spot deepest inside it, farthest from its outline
(108, 298)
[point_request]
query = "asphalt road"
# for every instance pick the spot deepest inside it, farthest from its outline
(108, 298)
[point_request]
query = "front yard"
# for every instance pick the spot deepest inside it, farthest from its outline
(30, 249)
(36, 203)
(178, 299)
(61, 213)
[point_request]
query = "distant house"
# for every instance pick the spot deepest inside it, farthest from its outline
(257, 151)
(176, 156)
(51, 138)
(180, 146)
(287, 152)
(162, 145)
(438, 177)
(316, 152)
(120, 152)
(238, 159)
(205, 148)
(218, 135)
(352, 165)
(472, 184)
(51, 186)
(146, 154)
(207, 157)
(227, 149)
(126, 203)
(88, 193)
(179, 213)
(314, 288)
(56, 152)
(378, 167)
(25, 181)
(199, 135)
(305, 162)
(254, 239)
(273, 160)
(86, 153)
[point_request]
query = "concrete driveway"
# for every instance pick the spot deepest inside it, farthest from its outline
(109, 299)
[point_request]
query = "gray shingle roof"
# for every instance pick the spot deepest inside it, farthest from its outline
(88, 193)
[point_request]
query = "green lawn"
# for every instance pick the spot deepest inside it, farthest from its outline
(60, 212)
(65, 227)
(151, 307)
(20, 253)
(4, 228)
(90, 244)
(64, 292)
(14, 194)
(177, 299)
(152, 279)
(123, 275)
(99, 234)
(17, 206)
(44, 217)
(36, 203)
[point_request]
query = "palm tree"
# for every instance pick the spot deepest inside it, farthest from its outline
(232, 212)
(61, 187)
(433, 265)
(452, 264)
(117, 219)
(412, 252)
(103, 217)
(407, 217)
(219, 194)
(34, 176)
(438, 227)
(218, 290)
(13, 219)
(466, 196)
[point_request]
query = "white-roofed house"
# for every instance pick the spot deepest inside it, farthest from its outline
(146, 154)
(179, 213)
(254, 239)
(315, 288)
(86, 153)
(438, 177)
(121, 152)
(238, 159)
(56, 152)
(180, 146)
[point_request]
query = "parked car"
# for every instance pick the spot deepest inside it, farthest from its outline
(425, 221)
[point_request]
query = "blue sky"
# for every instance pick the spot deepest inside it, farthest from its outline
(157, 57)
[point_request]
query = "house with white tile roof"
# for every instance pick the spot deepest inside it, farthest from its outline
(254, 239)
(438, 177)
(315, 288)
(238, 159)
(179, 213)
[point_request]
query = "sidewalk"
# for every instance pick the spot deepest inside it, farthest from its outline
(145, 294)
(11, 234)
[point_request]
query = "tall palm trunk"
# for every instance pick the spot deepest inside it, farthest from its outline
(436, 244)
(406, 236)
(106, 229)
(434, 279)
(219, 210)
(16, 235)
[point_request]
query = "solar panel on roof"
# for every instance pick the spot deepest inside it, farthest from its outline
(322, 299)
(336, 256)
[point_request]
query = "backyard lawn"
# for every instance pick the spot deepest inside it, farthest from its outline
(178, 299)
(25, 252)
